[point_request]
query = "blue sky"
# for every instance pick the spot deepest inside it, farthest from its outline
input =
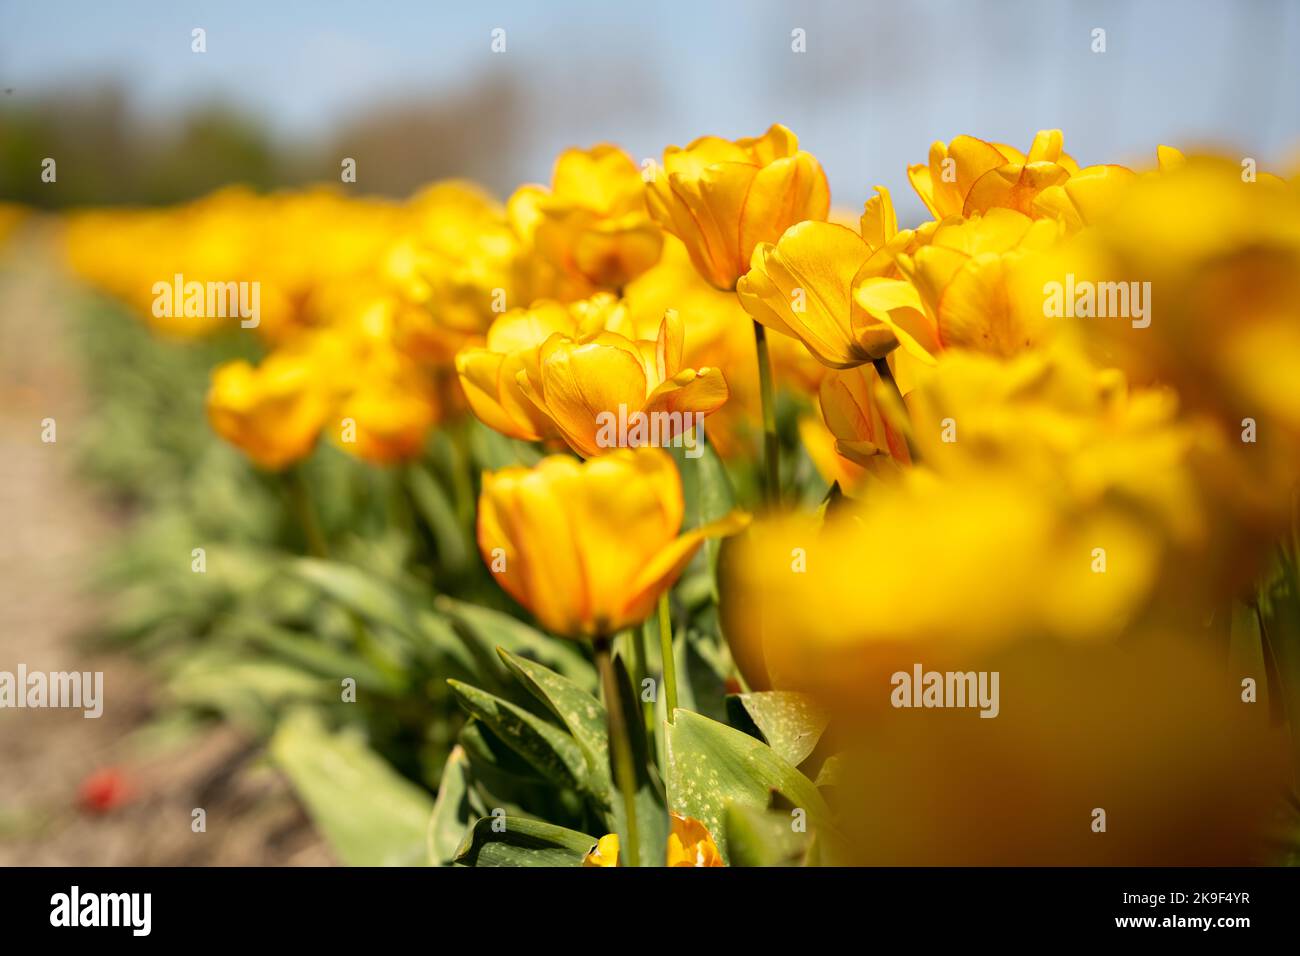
(878, 83)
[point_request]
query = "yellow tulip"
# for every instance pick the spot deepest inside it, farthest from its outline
(722, 198)
(850, 405)
(720, 335)
(1216, 260)
(589, 547)
(604, 853)
(970, 176)
(274, 412)
(592, 387)
(968, 285)
(490, 375)
(1029, 466)
(386, 418)
(802, 287)
(576, 372)
(690, 844)
(592, 222)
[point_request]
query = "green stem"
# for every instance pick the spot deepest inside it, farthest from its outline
(771, 445)
(666, 648)
(640, 668)
(300, 501)
(886, 374)
(621, 745)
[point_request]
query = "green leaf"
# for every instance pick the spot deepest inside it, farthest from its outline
(436, 508)
(709, 496)
(789, 722)
(454, 809)
(580, 712)
(547, 748)
(309, 652)
(519, 841)
(369, 814)
(651, 807)
(762, 837)
(489, 629)
(831, 771)
(711, 765)
(249, 691)
(358, 590)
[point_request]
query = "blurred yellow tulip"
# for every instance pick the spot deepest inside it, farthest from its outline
(589, 547)
(385, 419)
(274, 412)
(722, 198)
(1051, 503)
(592, 222)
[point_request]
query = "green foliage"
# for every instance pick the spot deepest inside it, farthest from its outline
(367, 812)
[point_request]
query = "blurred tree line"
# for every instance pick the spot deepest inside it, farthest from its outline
(107, 153)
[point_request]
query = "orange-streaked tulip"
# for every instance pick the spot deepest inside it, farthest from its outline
(588, 547)
(722, 197)
(590, 385)
(802, 286)
(592, 222)
(850, 407)
(490, 375)
(690, 844)
(967, 286)
(274, 412)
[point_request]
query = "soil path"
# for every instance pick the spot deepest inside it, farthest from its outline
(50, 529)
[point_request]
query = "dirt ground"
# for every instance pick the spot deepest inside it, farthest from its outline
(50, 528)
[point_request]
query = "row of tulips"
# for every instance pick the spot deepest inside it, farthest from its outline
(1007, 478)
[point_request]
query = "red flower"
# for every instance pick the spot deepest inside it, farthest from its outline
(103, 791)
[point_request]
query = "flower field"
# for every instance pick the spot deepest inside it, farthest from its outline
(668, 513)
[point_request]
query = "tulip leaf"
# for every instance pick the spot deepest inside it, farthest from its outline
(763, 837)
(651, 809)
(790, 723)
(309, 652)
(519, 841)
(709, 496)
(369, 814)
(547, 748)
(711, 765)
(831, 771)
(489, 630)
(454, 810)
(438, 512)
(581, 713)
(357, 590)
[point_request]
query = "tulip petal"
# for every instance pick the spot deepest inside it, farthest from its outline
(665, 567)
(581, 382)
